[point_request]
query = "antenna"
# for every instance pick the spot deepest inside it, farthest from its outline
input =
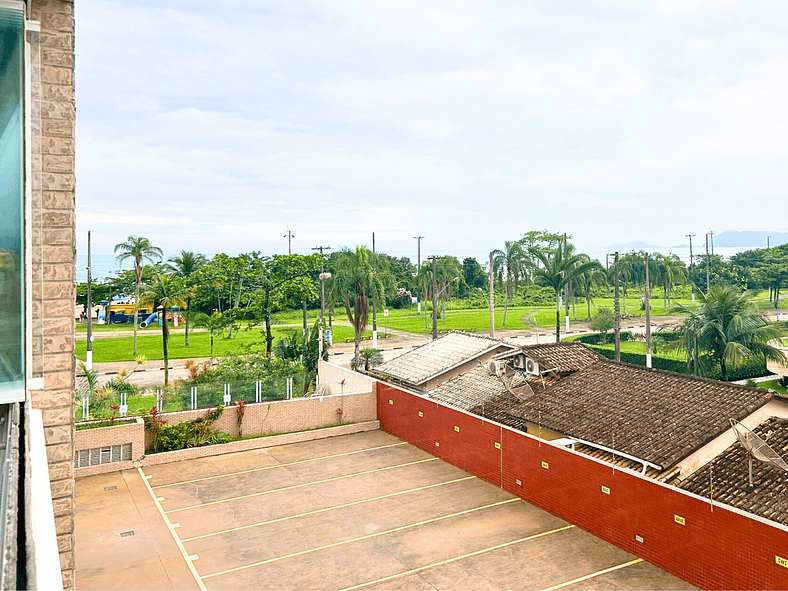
(756, 448)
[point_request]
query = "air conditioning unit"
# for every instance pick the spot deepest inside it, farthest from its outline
(531, 367)
(495, 368)
(518, 361)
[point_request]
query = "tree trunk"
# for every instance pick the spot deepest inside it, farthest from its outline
(136, 313)
(558, 316)
(588, 303)
(505, 308)
(211, 343)
(665, 300)
(188, 308)
(269, 338)
(724, 369)
(165, 335)
(572, 294)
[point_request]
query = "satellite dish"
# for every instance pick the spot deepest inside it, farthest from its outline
(756, 448)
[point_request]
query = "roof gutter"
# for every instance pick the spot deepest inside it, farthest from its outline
(571, 441)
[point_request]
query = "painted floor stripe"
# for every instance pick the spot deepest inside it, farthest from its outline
(317, 511)
(359, 539)
(349, 453)
(592, 575)
(186, 557)
(334, 479)
(456, 558)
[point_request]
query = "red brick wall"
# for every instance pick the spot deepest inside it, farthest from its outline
(716, 548)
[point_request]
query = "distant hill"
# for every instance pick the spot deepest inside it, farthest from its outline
(749, 238)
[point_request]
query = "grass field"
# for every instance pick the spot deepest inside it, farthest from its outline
(120, 348)
(773, 385)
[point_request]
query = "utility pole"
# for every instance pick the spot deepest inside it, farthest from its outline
(618, 316)
(648, 318)
(418, 268)
(708, 263)
(289, 235)
(711, 236)
(767, 242)
(374, 305)
(434, 260)
(323, 278)
(492, 300)
(566, 295)
(691, 266)
(89, 353)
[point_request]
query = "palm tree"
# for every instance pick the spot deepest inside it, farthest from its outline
(448, 269)
(513, 263)
(164, 293)
(586, 282)
(728, 328)
(216, 322)
(140, 249)
(355, 281)
(557, 270)
(185, 265)
(671, 272)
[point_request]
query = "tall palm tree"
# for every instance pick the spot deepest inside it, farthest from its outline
(164, 293)
(447, 270)
(557, 270)
(513, 263)
(586, 282)
(355, 281)
(671, 272)
(184, 266)
(140, 250)
(728, 328)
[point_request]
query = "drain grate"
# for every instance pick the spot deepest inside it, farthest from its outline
(110, 488)
(126, 534)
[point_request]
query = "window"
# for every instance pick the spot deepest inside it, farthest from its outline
(12, 310)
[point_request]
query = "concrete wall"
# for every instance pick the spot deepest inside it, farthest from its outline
(53, 186)
(706, 543)
(331, 376)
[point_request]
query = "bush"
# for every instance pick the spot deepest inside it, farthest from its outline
(604, 320)
(603, 339)
(185, 434)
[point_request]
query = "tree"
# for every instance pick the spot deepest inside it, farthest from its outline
(586, 282)
(728, 328)
(139, 249)
(185, 266)
(513, 263)
(557, 270)
(603, 321)
(670, 271)
(355, 281)
(473, 273)
(447, 270)
(164, 293)
(216, 322)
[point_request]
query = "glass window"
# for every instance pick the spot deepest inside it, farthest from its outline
(12, 325)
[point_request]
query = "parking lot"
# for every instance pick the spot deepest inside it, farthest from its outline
(360, 511)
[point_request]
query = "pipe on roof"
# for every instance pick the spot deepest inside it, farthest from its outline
(615, 452)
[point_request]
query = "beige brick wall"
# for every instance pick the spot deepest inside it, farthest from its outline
(53, 185)
(133, 433)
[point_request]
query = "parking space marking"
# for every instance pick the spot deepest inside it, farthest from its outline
(315, 512)
(187, 557)
(349, 453)
(361, 538)
(592, 575)
(294, 486)
(457, 558)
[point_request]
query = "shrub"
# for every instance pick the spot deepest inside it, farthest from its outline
(185, 434)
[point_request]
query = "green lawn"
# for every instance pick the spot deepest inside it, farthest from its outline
(773, 385)
(120, 348)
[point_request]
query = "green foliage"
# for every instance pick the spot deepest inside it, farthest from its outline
(185, 434)
(604, 320)
(104, 423)
(369, 358)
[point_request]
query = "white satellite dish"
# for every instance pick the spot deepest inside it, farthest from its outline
(756, 448)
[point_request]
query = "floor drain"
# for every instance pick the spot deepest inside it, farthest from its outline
(126, 534)
(110, 488)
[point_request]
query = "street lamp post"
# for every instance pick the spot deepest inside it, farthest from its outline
(418, 268)
(323, 278)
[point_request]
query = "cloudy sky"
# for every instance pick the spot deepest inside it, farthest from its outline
(215, 126)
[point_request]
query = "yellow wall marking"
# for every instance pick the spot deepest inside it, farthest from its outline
(606, 490)
(545, 465)
(268, 492)
(456, 558)
(186, 557)
(781, 561)
(592, 575)
(331, 457)
(421, 414)
(391, 402)
(679, 519)
(456, 428)
(497, 445)
(367, 537)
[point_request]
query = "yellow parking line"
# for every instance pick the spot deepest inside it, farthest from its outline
(592, 575)
(268, 492)
(456, 558)
(188, 558)
(261, 523)
(359, 539)
(348, 453)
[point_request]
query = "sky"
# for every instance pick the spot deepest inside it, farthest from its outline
(218, 126)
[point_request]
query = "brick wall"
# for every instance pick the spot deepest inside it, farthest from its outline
(133, 433)
(53, 187)
(717, 547)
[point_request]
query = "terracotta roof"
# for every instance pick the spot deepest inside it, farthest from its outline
(654, 415)
(434, 358)
(565, 357)
(730, 476)
(473, 388)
